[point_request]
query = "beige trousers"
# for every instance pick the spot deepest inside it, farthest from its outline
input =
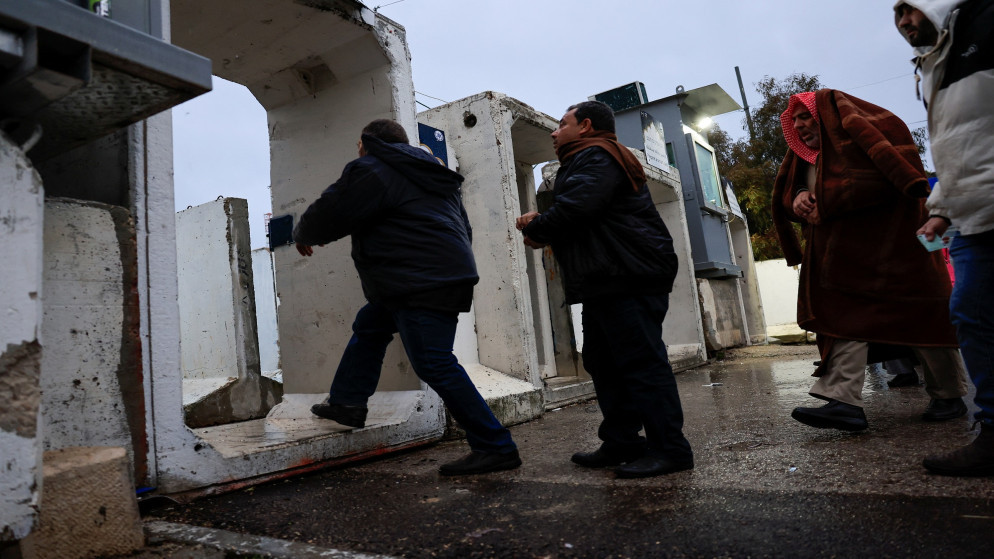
(945, 375)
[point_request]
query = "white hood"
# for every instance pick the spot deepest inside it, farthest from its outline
(937, 11)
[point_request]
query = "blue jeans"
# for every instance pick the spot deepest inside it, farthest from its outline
(427, 336)
(971, 308)
(624, 353)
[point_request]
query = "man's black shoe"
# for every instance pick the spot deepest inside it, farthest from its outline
(601, 459)
(481, 463)
(901, 380)
(649, 466)
(350, 416)
(944, 409)
(833, 415)
(974, 459)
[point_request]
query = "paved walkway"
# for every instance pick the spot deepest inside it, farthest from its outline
(764, 486)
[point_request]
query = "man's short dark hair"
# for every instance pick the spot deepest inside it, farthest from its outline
(390, 131)
(600, 114)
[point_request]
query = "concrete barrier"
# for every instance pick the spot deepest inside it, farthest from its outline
(88, 506)
(21, 335)
(222, 381)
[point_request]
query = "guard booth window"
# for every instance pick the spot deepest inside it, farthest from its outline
(709, 176)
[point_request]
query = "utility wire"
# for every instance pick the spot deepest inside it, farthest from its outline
(429, 96)
(904, 75)
(376, 9)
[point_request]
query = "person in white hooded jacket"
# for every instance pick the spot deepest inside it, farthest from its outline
(954, 50)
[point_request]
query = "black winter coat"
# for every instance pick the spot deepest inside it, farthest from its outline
(410, 232)
(608, 239)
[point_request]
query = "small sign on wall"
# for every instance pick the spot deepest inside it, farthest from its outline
(655, 143)
(280, 231)
(432, 140)
(733, 202)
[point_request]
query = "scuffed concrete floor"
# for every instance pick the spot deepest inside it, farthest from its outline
(764, 485)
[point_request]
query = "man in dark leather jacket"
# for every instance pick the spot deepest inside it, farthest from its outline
(617, 259)
(411, 246)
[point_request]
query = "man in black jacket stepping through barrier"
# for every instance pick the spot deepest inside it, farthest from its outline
(412, 248)
(617, 259)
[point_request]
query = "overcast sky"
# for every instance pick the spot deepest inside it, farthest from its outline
(552, 53)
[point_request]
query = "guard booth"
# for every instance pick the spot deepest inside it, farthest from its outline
(670, 130)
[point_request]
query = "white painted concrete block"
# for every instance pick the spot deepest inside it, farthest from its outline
(778, 284)
(84, 326)
(207, 291)
(88, 506)
(222, 381)
(21, 224)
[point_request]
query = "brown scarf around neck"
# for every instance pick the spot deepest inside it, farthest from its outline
(608, 141)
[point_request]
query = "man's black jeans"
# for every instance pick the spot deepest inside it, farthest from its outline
(624, 352)
(427, 336)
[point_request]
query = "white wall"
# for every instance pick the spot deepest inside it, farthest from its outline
(778, 289)
(266, 302)
(21, 222)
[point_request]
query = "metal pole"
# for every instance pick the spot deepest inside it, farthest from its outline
(745, 104)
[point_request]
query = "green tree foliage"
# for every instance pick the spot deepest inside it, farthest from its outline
(920, 135)
(752, 165)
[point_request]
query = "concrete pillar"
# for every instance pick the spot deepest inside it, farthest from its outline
(90, 325)
(21, 223)
(222, 381)
(752, 301)
(722, 313)
(496, 141)
(322, 71)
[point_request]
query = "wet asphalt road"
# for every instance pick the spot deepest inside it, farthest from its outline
(763, 486)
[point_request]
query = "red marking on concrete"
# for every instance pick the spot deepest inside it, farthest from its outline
(303, 466)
